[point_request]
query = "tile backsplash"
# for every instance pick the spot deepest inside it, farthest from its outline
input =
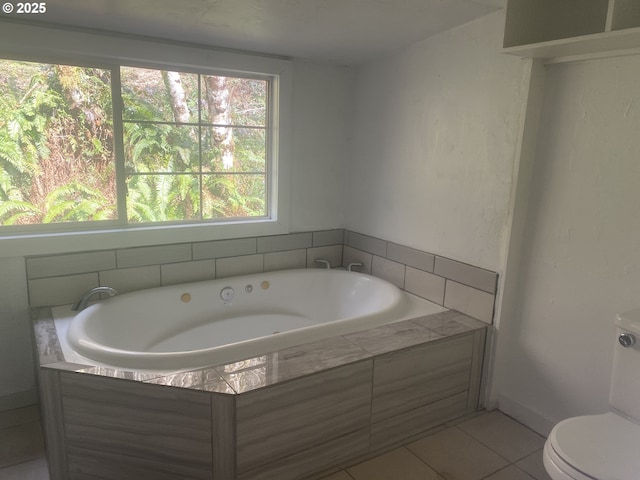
(455, 285)
(62, 279)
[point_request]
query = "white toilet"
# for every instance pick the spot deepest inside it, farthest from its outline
(606, 446)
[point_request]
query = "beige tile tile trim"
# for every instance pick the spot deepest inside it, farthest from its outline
(455, 285)
(62, 279)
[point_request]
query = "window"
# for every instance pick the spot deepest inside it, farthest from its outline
(89, 146)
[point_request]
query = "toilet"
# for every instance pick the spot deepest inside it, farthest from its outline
(605, 446)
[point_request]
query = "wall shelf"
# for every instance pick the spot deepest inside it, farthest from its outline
(571, 28)
(616, 41)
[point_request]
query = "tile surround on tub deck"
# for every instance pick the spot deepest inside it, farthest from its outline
(69, 264)
(285, 260)
(279, 243)
(392, 272)
(236, 392)
(243, 376)
(185, 272)
(410, 256)
(323, 238)
(143, 256)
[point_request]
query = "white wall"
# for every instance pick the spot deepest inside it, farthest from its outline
(581, 255)
(322, 98)
(435, 134)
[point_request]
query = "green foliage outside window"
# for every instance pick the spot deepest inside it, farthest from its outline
(194, 145)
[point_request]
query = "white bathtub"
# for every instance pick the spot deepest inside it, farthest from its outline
(191, 325)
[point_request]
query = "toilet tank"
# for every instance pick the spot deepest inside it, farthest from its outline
(624, 394)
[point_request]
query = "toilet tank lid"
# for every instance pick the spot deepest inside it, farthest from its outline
(629, 320)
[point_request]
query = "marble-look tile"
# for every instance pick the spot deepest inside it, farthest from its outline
(290, 363)
(285, 260)
(425, 285)
(243, 265)
(466, 320)
(223, 426)
(53, 422)
(475, 373)
(322, 238)
(206, 379)
(127, 429)
(331, 253)
(252, 378)
(143, 256)
(473, 302)
(391, 337)
(120, 373)
(69, 264)
(408, 379)
(46, 292)
(410, 257)
(467, 274)
(444, 324)
(392, 272)
(67, 366)
(353, 255)
(46, 338)
(187, 272)
(366, 243)
(89, 464)
(131, 279)
(397, 464)
(397, 430)
(457, 456)
(277, 422)
(224, 248)
(278, 243)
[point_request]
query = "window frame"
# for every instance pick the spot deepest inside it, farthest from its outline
(26, 42)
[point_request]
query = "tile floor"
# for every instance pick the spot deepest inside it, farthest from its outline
(488, 446)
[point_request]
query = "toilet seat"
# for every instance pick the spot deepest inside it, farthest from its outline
(558, 469)
(599, 447)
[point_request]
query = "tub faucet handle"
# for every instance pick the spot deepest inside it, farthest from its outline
(82, 303)
(353, 264)
(326, 263)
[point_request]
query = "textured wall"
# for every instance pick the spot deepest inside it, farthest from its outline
(434, 143)
(322, 97)
(581, 257)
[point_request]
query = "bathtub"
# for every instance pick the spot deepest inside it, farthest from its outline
(206, 323)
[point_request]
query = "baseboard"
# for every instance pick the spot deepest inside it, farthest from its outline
(18, 399)
(532, 419)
